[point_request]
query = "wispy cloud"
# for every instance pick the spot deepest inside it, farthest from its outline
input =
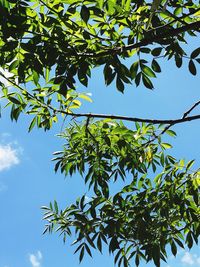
(190, 259)
(3, 187)
(35, 259)
(9, 156)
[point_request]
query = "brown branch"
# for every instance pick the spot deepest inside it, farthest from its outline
(170, 122)
(189, 110)
(125, 118)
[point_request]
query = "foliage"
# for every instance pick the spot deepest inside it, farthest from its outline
(158, 206)
(50, 46)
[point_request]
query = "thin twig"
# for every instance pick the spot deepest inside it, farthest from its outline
(189, 110)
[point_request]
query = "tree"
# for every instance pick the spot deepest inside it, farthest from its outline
(49, 46)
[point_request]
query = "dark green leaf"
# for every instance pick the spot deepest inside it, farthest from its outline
(155, 66)
(147, 83)
(120, 85)
(85, 13)
(81, 254)
(192, 68)
(195, 53)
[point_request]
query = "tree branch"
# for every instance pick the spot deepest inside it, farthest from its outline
(152, 37)
(189, 110)
(133, 119)
(170, 122)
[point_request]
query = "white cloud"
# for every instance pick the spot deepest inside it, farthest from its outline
(3, 187)
(8, 157)
(190, 259)
(35, 259)
(187, 258)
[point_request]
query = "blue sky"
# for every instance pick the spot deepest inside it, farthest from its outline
(28, 181)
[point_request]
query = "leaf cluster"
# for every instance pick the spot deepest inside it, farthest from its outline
(157, 207)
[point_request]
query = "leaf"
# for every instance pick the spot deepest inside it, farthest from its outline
(148, 71)
(195, 53)
(171, 133)
(156, 255)
(189, 164)
(90, 241)
(189, 240)
(56, 206)
(155, 66)
(114, 244)
(156, 51)
(192, 68)
(111, 4)
(14, 65)
(86, 97)
(166, 145)
(178, 11)
(179, 243)
(35, 77)
(14, 100)
(99, 243)
(134, 69)
(120, 85)
(32, 124)
(147, 83)
(137, 260)
(85, 14)
(138, 78)
(178, 61)
(81, 254)
(173, 248)
(88, 250)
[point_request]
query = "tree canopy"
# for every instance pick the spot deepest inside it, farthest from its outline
(47, 47)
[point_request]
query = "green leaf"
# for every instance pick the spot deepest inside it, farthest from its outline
(138, 78)
(120, 85)
(114, 244)
(13, 65)
(56, 206)
(35, 77)
(156, 51)
(148, 71)
(32, 124)
(166, 145)
(137, 260)
(190, 164)
(14, 100)
(146, 81)
(171, 133)
(155, 66)
(85, 96)
(173, 248)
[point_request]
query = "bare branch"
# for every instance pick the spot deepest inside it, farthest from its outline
(189, 110)
(133, 119)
